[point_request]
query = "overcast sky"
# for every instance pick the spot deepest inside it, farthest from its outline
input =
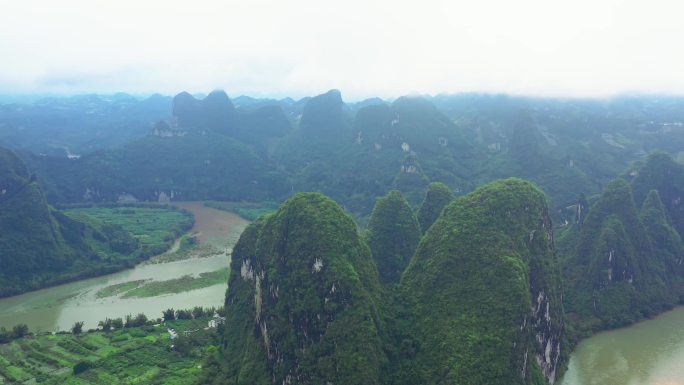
(362, 47)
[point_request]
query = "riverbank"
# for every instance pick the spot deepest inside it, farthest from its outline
(154, 230)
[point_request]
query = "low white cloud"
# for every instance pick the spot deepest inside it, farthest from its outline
(365, 48)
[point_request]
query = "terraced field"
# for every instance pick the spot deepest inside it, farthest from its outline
(141, 355)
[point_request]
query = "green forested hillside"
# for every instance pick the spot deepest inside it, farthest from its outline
(660, 172)
(41, 246)
(31, 237)
(204, 152)
(157, 168)
(436, 198)
(383, 147)
(624, 264)
(479, 303)
(482, 293)
(302, 304)
(393, 235)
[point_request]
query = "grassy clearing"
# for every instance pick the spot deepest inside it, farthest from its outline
(247, 210)
(142, 355)
(118, 288)
(179, 285)
(151, 226)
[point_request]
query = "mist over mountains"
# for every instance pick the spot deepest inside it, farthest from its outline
(351, 152)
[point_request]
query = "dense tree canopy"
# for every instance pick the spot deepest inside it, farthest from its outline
(393, 235)
(483, 279)
(436, 198)
(302, 300)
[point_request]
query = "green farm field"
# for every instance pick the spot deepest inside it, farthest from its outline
(139, 355)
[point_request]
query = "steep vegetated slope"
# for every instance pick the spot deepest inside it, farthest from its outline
(612, 257)
(626, 264)
(667, 243)
(393, 235)
(660, 172)
(40, 245)
(482, 292)
(30, 239)
(478, 304)
(436, 198)
(302, 300)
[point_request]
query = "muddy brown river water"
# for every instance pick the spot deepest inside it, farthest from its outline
(648, 353)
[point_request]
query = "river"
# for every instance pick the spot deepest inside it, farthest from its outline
(647, 353)
(59, 307)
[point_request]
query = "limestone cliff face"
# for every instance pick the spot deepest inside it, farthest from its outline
(483, 291)
(301, 302)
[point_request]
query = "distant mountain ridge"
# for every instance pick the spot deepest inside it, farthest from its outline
(79, 124)
(356, 152)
